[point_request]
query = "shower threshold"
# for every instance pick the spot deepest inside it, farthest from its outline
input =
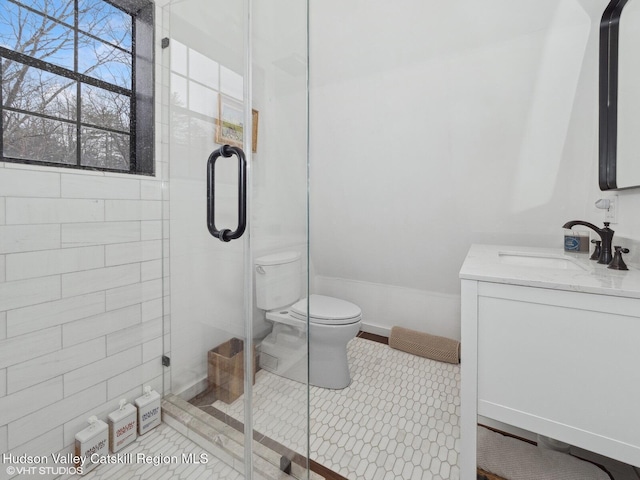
(226, 441)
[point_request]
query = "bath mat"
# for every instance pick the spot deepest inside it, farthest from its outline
(425, 345)
(507, 457)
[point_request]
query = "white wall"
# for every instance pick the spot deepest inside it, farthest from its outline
(435, 125)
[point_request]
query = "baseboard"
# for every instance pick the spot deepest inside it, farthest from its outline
(511, 430)
(384, 306)
(194, 390)
(376, 329)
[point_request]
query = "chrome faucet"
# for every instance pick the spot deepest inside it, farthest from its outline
(606, 235)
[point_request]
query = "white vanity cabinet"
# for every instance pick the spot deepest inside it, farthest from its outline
(550, 349)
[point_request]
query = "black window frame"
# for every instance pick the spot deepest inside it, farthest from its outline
(141, 130)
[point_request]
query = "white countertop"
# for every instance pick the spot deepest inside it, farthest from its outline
(495, 263)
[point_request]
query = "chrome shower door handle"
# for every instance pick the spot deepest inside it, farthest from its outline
(227, 151)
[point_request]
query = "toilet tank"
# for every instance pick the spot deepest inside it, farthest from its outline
(278, 282)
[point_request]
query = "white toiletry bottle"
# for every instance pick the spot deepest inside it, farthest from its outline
(148, 410)
(123, 426)
(92, 444)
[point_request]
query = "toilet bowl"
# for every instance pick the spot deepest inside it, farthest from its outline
(332, 324)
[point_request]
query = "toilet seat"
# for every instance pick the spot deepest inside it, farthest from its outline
(326, 311)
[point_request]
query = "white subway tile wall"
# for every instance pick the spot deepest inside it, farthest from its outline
(54, 365)
(21, 211)
(14, 351)
(3, 325)
(30, 426)
(30, 400)
(3, 382)
(80, 300)
(88, 281)
(3, 439)
(132, 294)
(49, 314)
(100, 325)
(47, 440)
(29, 292)
(51, 262)
(82, 234)
(84, 377)
(28, 238)
(75, 186)
(81, 297)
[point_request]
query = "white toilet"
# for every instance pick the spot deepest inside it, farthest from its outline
(332, 323)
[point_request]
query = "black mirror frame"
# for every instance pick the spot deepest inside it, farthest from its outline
(608, 93)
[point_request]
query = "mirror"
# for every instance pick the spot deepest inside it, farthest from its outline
(620, 96)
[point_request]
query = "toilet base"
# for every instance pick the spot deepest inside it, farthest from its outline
(284, 352)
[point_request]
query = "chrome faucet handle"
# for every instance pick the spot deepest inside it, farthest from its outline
(596, 252)
(617, 263)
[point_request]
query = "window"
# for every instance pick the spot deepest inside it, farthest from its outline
(77, 84)
(200, 88)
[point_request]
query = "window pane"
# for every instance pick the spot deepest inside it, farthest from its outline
(231, 83)
(102, 61)
(36, 138)
(179, 95)
(34, 35)
(105, 149)
(106, 22)
(203, 69)
(60, 9)
(38, 91)
(106, 109)
(48, 117)
(178, 57)
(203, 100)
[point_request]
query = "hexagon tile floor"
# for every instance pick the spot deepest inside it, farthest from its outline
(165, 443)
(399, 418)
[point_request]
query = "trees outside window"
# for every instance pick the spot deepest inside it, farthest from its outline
(76, 81)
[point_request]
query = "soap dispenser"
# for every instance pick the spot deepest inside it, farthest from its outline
(92, 443)
(148, 410)
(122, 426)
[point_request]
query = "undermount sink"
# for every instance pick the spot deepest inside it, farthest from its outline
(539, 260)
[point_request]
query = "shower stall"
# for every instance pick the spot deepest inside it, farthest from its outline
(233, 73)
(114, 275)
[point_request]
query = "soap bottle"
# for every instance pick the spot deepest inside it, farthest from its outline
(576, 242)
(148, 410)
(92, 443)
(123, 426)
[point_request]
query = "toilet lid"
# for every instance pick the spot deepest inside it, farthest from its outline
(327, 310)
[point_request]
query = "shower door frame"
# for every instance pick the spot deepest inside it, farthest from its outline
(246, 238)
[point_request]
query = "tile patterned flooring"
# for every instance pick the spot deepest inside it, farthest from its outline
(399, 418)
(378, 428)
(165, 442)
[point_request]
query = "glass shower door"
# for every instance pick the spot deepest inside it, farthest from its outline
(207, 288)
(233, 74)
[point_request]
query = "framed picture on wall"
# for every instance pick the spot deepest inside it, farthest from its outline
(254, 130)
(230, 123)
